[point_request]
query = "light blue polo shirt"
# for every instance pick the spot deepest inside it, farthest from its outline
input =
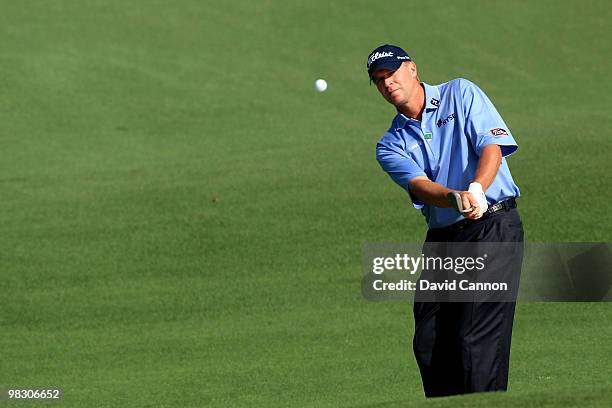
(458, 121)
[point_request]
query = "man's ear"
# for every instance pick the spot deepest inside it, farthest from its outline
(413, 69)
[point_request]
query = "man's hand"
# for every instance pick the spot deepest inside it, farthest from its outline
(465, 203)
(476, 190)
(471, 204)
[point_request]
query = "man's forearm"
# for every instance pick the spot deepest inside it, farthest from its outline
(429, 192)
(488, 165)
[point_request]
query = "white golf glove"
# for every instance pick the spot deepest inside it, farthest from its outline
(476, 190)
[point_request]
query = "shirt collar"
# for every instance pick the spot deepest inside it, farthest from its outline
(432, 96)
(432, 101)
(400, 120)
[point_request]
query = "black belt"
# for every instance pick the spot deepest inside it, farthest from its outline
(505, 205)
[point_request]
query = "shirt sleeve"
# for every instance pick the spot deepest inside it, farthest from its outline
(400, 167)
(483, 124)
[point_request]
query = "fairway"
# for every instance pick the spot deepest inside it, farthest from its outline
(182, 214)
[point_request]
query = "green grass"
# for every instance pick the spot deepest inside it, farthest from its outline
(182, 215)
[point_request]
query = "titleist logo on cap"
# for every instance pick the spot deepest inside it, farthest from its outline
(379, 55)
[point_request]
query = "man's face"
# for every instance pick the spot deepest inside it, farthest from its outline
(398, 86)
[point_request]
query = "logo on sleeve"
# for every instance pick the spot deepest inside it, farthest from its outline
(414, 145)
(499, 132)
(434, 102)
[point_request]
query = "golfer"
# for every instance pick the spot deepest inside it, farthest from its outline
(446, 148)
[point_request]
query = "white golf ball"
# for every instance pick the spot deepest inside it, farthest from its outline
(320, 85)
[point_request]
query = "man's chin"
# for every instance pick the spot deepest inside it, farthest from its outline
(396, 98)
(396, 101)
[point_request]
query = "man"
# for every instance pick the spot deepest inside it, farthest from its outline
(446, 147)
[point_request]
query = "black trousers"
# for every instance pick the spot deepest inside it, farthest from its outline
(464, 347)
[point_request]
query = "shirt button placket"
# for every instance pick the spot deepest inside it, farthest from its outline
(433, 160)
